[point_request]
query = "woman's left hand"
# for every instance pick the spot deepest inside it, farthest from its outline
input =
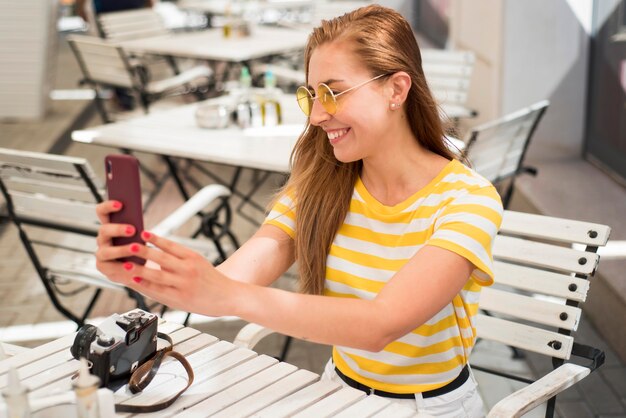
(185, 280)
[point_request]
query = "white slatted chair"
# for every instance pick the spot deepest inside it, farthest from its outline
(51, 200)
(104, 64)
(497, 149)
(448, 74)
(143, 23)
(533, 257)
(131, 24)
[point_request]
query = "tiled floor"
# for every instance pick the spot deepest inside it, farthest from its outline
(26, 314)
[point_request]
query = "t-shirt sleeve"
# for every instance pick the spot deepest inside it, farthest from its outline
(283, 215)
(468, 226)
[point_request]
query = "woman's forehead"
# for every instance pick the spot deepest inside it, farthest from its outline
(334, 60)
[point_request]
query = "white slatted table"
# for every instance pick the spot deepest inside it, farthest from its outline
(229, 382)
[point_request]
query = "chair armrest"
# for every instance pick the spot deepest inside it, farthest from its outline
(250, 335)
(179, 80)
(527, 398)
(190, 208)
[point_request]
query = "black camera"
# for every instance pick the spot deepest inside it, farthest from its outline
(118, 346)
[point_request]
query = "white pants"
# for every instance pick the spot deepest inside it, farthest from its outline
(463, 402)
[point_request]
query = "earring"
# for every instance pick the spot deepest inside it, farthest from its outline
(394, 106)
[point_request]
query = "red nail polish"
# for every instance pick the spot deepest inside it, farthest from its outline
(130, 230)
(128, 266)
(146, 235)
(137, 279)
(134, 248)
(117, 204)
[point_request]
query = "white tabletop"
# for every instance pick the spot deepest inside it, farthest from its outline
(222, 7)
(175, 133)
(212, 45)
(229, 381)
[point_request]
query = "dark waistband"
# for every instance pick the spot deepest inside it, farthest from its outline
(455, 384)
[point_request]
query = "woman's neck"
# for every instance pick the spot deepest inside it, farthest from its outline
(401, 171)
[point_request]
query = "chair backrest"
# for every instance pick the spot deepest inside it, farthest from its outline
(448, 74)
(103, 63)
(51, 200)
(131, 24)
(48, 190)
(497, 149)
(540, 282)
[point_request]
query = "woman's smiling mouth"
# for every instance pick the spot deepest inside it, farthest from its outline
(336, 135)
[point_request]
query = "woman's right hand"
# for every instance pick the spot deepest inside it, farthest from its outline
(107, 254)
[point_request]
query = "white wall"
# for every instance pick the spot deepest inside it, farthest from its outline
(27, 52)
(527, 51)
(545, 56)
(477, 26)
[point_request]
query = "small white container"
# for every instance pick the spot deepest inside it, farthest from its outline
(213, 116)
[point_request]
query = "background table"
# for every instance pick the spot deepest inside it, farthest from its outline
(174, 132)
(224, 7)
(229, 382)
(211, 45)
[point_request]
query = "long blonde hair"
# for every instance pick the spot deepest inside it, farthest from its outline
(321, 185)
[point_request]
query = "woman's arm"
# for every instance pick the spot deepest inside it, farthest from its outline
(415, 294)
(427, 283)
(262, 259)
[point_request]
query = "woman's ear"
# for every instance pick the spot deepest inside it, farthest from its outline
(399, 85)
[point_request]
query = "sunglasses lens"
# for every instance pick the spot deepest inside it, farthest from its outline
(305, 100)
(327, 98)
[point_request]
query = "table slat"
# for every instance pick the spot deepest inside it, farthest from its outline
(239, 391)
(300, 400)
(39, 366)
(205, 388)
(267, 396)
(166, 379)
(42, 351)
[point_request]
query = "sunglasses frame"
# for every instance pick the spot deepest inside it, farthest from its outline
(333, 97)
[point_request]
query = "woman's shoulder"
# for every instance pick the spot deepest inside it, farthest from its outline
(458, 175)
(462, 181)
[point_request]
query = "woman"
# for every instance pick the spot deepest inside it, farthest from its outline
(392, 235)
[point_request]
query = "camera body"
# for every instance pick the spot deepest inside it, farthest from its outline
(119, 345)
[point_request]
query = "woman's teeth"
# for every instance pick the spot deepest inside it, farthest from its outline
(336, 134)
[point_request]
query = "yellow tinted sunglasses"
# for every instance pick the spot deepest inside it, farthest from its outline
(325, 95)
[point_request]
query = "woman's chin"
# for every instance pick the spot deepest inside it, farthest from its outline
(344, 157)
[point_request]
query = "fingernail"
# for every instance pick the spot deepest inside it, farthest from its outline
(134, 248)
(117, 204)
(128, 266)
(130, 230)
(146, 235)
(137, 279)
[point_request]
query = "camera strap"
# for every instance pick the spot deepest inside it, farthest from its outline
(144, 374)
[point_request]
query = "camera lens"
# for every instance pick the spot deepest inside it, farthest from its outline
(85, 336)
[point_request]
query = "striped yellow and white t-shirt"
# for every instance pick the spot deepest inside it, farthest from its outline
(458, 210)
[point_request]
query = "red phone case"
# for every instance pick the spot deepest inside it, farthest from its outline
(123, 184)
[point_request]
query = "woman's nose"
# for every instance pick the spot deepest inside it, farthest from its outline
(318, 114)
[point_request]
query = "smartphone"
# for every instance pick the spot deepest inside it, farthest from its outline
(123, 184)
